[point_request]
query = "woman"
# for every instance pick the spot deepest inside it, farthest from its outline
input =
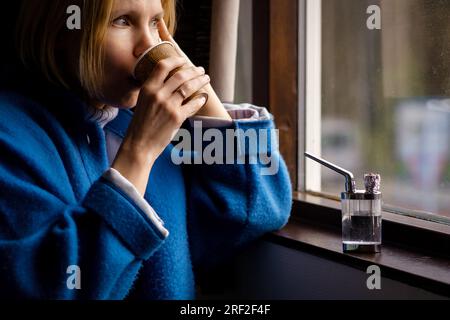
(89, 190)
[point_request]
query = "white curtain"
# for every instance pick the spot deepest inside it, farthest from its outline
(224, 39)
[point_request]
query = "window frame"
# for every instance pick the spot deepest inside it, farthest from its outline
(300, 46)
(310, 17)
(280, 86)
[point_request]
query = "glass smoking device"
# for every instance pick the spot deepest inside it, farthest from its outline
(361, 210)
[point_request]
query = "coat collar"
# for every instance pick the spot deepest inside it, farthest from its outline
(120, 124)
(68, 107)
(65, 104)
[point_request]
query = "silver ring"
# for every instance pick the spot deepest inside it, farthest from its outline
(182, 93)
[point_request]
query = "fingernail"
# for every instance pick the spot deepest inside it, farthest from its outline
(202, 100)
(207, 78)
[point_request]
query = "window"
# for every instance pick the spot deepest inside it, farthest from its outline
(244, 68)
(369, 99)
(363, 99)
(382, 100)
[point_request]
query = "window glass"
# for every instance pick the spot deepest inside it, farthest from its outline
(386, 98)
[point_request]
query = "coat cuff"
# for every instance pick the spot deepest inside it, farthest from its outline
(237, 112)
(114, 176)
(121, 213)
(253, 139)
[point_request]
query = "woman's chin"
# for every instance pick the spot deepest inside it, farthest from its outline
(123, 99)
(124, 107)
(129, 102)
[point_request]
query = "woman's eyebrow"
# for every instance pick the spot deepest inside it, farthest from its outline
(135, 12)
(159, 15)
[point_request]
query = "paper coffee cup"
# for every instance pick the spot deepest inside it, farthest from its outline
(150, 58)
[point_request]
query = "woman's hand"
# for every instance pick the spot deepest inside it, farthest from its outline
(158, 115)
(214, 107)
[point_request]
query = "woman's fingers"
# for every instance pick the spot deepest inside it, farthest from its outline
(183, 76)
(193, 106)
(164, 33)
(190, 87)
(163, 68)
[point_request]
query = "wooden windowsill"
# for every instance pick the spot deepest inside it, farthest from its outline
(315, 227)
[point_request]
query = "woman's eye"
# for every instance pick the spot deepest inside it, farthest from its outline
(121, 21)
(154, 23)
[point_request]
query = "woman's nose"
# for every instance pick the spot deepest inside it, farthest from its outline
(147, 40)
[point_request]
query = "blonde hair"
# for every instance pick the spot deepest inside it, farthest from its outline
(42, 25)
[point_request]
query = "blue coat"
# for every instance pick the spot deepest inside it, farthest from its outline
(56, 209)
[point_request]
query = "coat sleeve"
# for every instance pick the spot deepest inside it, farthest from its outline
(54, 247)
(230, 205)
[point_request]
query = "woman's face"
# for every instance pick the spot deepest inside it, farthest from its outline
(132, 30)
